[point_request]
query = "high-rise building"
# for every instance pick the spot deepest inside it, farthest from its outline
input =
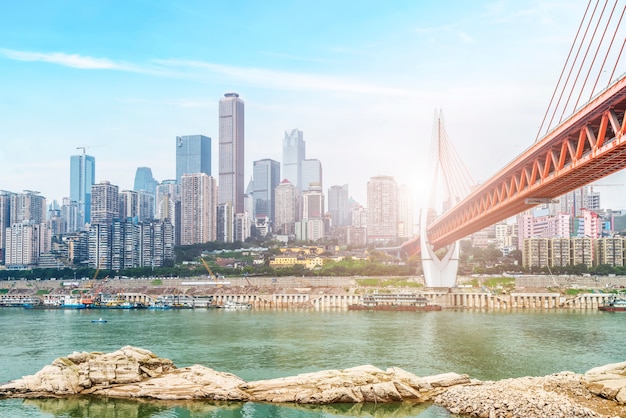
(25, 242)
(311, 174)
(294, 150)
(82, 177)
(313, 203)
(198, 209)
(144, 180)
(143, 244)
(69, 213)
(285, 208)
(405, 212)
(168, 206)
(5, 220)
(193, 155)
(129, 205)
(28, 206)
(231, 152)
(100, 245)
(339, 205)
(311, 227)
(266, 175)
(105, 203)
(382, 209)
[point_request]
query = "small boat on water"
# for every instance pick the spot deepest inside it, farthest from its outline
(232, 305)
(99, 321)
(394, 302)
(614, 305)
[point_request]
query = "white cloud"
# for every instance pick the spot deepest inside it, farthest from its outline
(66, 60)
(282, 80)
(82, 62)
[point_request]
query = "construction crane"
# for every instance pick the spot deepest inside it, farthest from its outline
(84, 148)
(211, 275)
(95, 275)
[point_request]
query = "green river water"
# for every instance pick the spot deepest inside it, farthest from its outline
(264, 344)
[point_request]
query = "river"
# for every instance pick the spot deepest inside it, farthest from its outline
(264, 344)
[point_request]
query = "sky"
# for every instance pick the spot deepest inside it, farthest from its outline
(361, 79)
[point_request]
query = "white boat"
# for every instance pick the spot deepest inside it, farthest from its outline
(232, 305)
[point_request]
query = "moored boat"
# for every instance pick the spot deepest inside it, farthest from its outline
(99, 321)
(394, 302)
(614, 305)
(232, 305)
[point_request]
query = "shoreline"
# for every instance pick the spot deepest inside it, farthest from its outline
(302, 292)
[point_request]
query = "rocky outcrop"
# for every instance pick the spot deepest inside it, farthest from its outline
(608, 381)
(136, 373)
(353, 385)
(80, 373)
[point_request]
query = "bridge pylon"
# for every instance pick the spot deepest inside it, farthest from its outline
(438, 272)
(444, 160)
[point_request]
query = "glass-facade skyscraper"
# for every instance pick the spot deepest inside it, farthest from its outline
(82, 177)
(266, 177)
(144, 181)
(193, 155)
(294, 149)
(311, 174)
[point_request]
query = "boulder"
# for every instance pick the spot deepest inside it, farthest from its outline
(194, 382)
(608, 381)
(78, 372)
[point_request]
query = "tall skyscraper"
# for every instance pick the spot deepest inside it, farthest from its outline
(231, 154)
(339, 205)
(294, 150)
(105, 203)
(266, 175)
(311, 174)
(82, 177)
(193, 155)
(144, 181)
(167, 206)
(198, 209)
(382, 209)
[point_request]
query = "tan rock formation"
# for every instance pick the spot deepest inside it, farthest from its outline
(139, 374)
(608, 381)
(353, 385)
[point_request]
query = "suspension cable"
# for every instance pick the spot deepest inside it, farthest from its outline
(608, 51)
(596, 53)
(582, 63)
(562, 71)
(556, 108)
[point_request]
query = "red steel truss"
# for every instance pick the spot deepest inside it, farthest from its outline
(586, 147)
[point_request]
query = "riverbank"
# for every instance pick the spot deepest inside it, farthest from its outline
(137, 373)
(298, 292)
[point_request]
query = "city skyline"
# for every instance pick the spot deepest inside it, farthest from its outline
(363, 89)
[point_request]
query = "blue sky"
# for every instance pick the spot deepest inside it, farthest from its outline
(362, 80)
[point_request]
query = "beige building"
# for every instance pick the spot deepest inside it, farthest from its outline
(382, 209)
(198, 209)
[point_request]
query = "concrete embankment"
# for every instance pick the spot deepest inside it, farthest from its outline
(309, 292)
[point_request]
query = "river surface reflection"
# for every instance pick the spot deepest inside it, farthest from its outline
(264, 344)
